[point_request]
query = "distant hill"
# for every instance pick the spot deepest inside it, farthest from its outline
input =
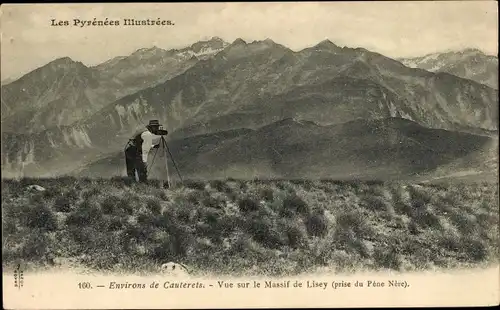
(391, 148)
(470, 64)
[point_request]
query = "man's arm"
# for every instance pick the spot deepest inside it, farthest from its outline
(147, 144)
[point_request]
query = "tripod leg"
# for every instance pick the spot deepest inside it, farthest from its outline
(164, 145)
(173, 161)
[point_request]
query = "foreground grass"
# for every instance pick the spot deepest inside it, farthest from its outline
(249, 227)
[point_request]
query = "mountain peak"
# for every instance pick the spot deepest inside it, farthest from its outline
(239, 41)
(326, 45)
(63, 60)
(217, 39)
(148, 50)
(215, 43)
(472, 50)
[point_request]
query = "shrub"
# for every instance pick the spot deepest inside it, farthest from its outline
(63, 204)
(37, 198)
(295, 235)
(475, 250)
(248, 204)
(36, 247)
(413, 227)
(211, 202)
(52, 192)
(427, 220)
(110, 205)
(221, 186)
(387, 257)
(72, 194)
(196, 196)
(262, 231)
(86, 214)
(317, 225)
(115, 223)
(465, 224)
(153, 205)
(267, 194)
(374, 203)
(355, 221)
(9, 226)
(419, 197)
(196, 185)
(295, 204)
(148, 219)
(92, 192)
(41, 217)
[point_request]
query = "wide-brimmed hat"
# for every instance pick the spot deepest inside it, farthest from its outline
(153, 123)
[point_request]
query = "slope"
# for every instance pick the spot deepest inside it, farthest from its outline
(470, 64)
(389, 149)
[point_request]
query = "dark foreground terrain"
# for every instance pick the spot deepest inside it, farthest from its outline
(239, 227)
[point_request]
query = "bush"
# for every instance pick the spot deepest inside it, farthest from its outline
(374, 203)
(263, 231)
(63, 204)
(211, 202)
(296, 236)
(52, 192)
(387, 257)
(86, 214)
(196, 185)
(117, 205)
(153, 205)
(221, 186)
(41, 217)
(295, 204)
(475, 250)
(248, 204)
(110, 205)
(267, 194)
(419, 197)
(354, 221)
(36, 247)
(90, 193)
(317, 225)
(428, 220)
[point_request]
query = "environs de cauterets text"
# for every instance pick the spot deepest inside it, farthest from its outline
(111, 22)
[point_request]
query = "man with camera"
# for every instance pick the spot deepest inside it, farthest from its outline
(136, 152)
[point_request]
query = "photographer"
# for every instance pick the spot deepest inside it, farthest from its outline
(136, 152)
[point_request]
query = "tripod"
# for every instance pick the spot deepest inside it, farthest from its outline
(163, 143)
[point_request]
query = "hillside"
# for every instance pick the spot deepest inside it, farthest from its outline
(53, 95)
(65, 91)
(231, 227)
(469, 64)
(388, 149)
(250, 85)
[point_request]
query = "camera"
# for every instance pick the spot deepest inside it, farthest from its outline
(161, 132)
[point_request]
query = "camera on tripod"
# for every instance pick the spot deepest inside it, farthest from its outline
(161, 131)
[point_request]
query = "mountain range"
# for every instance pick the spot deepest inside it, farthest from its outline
(322, 108)
(470, 64)
(65, 91)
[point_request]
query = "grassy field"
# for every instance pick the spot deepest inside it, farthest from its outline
(239, 227)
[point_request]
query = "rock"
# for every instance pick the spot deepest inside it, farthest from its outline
(35, 187)
(174, 269)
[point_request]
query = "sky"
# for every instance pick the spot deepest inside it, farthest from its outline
(392, 28)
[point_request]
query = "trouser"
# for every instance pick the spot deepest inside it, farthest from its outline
(133, 160)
